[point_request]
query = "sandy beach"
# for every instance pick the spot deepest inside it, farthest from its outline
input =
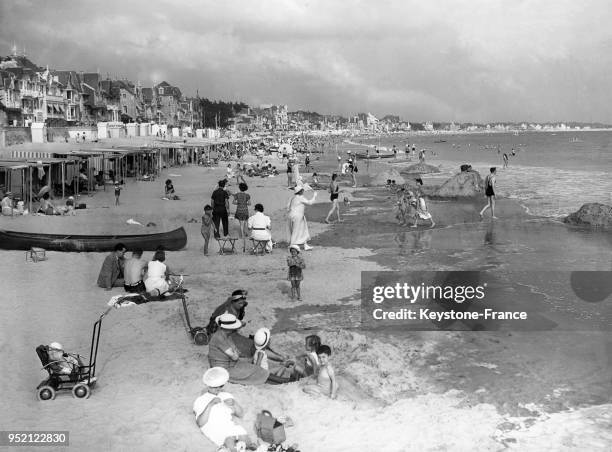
(411, 390)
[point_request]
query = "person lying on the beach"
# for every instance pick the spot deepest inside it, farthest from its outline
(326, 383)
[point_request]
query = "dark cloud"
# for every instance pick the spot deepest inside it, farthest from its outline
(463, 60)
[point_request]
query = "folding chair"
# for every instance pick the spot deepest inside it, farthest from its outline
(223, 244)
(259, 246)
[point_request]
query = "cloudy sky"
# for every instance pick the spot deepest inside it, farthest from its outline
(463, 60)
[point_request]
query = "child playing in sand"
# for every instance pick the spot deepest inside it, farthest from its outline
(308, 363)
(207, 225)
(263, 352)
(296, 264)
(326, 383)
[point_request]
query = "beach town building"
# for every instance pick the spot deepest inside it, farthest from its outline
(167, 100)
(10, 99)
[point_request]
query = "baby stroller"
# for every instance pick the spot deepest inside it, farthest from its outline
(82, 377)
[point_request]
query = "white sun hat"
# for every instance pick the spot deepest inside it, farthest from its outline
(228, 321)
(215, 377)
(262, 337)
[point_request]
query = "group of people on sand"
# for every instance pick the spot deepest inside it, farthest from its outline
(137, 275)
(235, 358)
(216, 215)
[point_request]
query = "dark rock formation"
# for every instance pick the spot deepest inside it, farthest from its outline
(462, 185)
(592, 214)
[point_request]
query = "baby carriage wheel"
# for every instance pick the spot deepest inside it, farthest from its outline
(81, 391)
(45, 393)
(200, 337)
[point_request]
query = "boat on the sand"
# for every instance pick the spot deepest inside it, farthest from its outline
(169, 241)
(373, 156)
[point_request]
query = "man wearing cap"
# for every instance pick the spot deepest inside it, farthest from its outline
(7, 204)
(215, 410)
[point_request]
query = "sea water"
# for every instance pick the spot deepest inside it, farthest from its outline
(551, 173)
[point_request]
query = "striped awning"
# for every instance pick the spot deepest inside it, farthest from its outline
(31, 154)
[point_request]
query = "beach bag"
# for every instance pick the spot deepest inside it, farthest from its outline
(269, 429)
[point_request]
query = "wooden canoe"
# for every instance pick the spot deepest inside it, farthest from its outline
(373, 156)
(170, 241)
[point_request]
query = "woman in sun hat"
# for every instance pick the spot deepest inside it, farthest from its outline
(223, 352)
(298, 228)
(215, 410)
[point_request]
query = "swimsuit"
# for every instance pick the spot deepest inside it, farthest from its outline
(334, 194)
(489, 187)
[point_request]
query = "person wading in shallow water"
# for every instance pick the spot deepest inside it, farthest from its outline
(490, 193)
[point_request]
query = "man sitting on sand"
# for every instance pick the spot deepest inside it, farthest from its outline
(134, 272)
(111, 273)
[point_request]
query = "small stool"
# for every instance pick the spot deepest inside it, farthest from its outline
(223, 241)
(36, 254)
(259, 246)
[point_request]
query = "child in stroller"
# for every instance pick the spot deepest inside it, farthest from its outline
(66, 371)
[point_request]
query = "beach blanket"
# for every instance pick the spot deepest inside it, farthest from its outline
(133, 299)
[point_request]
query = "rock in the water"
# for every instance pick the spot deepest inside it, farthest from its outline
(391, 174)
(465, 167)
(593, 214)
(461, 185)
(421, 168)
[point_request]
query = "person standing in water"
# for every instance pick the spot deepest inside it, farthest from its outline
(490, 193)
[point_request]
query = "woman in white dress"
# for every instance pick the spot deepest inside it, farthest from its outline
(298, 228)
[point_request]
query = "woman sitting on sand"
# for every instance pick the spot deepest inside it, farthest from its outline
(223, 352)
(158, 276)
